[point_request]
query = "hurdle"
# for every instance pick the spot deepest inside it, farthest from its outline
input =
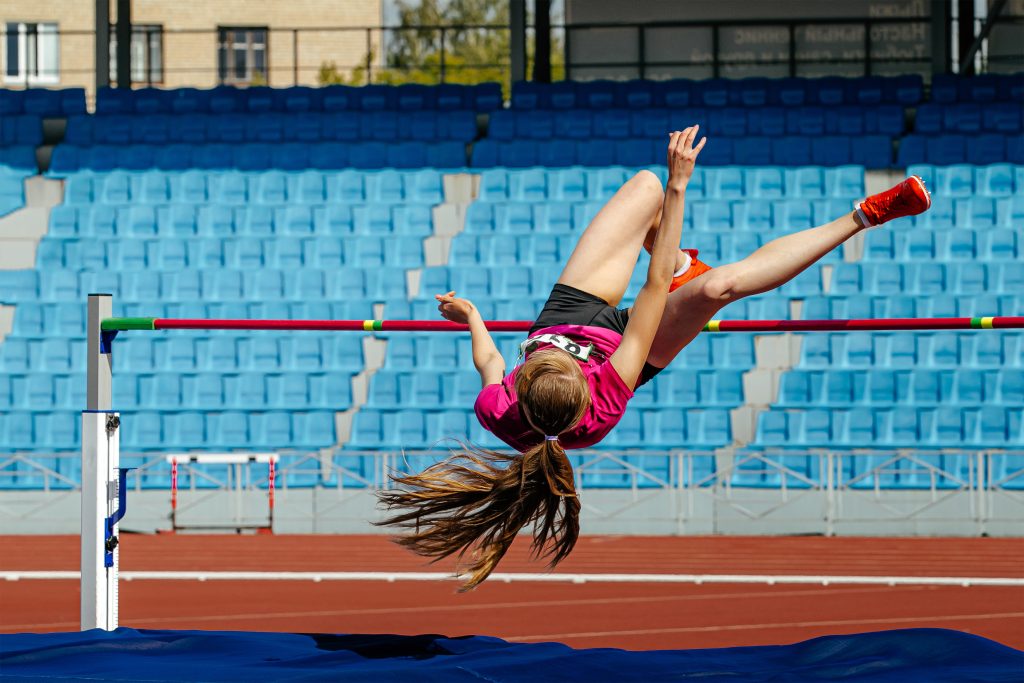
(103, 482)
(236, 462)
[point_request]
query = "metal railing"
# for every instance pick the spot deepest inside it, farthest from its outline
(784, 473)
(368, 54)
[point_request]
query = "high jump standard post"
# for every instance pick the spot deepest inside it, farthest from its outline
(102, 482)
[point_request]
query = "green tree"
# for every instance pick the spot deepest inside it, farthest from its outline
(473, 46)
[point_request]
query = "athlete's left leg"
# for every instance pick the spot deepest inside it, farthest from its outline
(690, 307)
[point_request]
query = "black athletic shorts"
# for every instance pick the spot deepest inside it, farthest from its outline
(570, 306)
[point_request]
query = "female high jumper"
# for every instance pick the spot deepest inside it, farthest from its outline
(584, 358)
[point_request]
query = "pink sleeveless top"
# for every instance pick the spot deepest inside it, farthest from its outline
(497, 406)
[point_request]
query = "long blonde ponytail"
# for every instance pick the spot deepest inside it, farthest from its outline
(477, 501)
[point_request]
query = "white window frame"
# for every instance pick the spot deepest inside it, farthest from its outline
(145, 39)
(47, 71)
(233, 38)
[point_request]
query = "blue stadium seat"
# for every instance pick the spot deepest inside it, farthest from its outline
(1002, 118)
(993, 148)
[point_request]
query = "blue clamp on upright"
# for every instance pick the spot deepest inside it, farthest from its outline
(110, 540)
(107, 340)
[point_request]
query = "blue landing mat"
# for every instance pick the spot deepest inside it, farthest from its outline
(129, 655)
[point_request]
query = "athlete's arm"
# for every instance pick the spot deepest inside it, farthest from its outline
(645, 317)
(486, 357)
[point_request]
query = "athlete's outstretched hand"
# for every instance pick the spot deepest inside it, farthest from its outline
(682, 155)
(454, 309)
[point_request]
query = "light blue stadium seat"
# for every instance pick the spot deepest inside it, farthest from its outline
(666, 426)
(255, 220)
(53, 430)
(1010, 387)
(97, 222)
(412, 220)
(972, 388)
(708, 428)
(57, 285)
(270, 187)
(228, 429)
(808, 181)
(790, 215)
(773, 427)
(79, 189)
(305, 353)
(347, 187)
(242, 253)
(998, 245)
(925, 387)
(145, 430)
(273, 429)
(306, 187)
(390, 389)
(976, 212)
(724, 183)
(954, 181)
(995, 180)
(63, 221)
(294, 220)
(1008, 277)
(712, 215)
(203, 391)
(368, 430)
(424, 186)
(138, 221)
(567, 184)
(528, 185)
(160, 390)
(409, 428)
(628, 433)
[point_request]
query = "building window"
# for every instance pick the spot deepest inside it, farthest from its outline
(242, 55)
(31, 53)
(147, 54)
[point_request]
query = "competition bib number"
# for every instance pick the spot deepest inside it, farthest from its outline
(574, 349)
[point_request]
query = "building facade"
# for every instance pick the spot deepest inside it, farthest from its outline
(197, 44)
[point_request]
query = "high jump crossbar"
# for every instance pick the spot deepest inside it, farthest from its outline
(111, 325)
(103, 500)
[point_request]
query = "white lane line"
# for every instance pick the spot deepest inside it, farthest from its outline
(768, 579)
(922, 620)
(483, 606)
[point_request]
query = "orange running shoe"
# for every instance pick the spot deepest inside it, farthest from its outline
(691, 269)
(909, 198)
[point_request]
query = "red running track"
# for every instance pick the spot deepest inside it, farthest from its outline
(632, 616)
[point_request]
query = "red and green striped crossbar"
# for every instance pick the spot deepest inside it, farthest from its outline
(867, 324)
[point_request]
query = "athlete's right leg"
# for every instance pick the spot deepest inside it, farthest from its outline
(605, 256)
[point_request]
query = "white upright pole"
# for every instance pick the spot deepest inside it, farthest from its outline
(100, 460)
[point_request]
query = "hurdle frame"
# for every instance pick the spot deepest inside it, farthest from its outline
(103, 482)
(235, 461)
